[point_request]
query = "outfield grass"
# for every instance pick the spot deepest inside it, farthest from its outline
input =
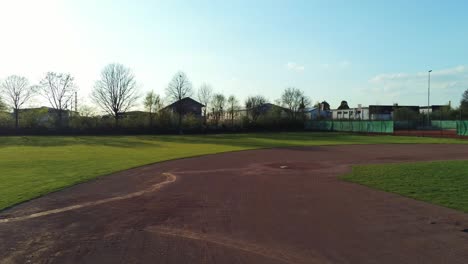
(33, 166)
(444, 182)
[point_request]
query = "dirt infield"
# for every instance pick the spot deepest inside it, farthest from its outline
(261, 206)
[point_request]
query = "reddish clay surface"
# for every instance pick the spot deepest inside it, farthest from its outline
(261, 206)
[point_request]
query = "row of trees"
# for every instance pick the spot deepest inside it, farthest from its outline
(406, 118)
(444, 113)
(57, 88)
(117, 91)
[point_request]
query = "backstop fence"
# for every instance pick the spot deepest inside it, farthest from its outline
(360, 126)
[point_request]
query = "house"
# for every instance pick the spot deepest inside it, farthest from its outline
(317, 113)
(385, 112)
(375, 112)
(128, 114)
(359, 113)
(381, 112)
(43, 115)
(432, 108)
(185, 106)
(268, 108)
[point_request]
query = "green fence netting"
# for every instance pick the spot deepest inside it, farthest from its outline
(444, 124)
(420, 124)
(462, 128)
(405, 125)
(351, 126)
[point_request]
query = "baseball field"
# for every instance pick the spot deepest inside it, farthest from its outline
(234, 198)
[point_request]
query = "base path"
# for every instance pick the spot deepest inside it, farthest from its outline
(262, 206)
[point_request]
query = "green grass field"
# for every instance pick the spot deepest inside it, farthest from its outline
(444, 183)
(33, 166)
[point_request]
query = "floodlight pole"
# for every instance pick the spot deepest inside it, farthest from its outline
(428, 93)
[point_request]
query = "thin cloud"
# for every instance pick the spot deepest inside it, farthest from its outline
(292, 66)
(454, 72)
(344, 64)
(446, 83)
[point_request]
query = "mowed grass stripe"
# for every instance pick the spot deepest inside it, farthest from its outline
(443, 183)
(34, 166)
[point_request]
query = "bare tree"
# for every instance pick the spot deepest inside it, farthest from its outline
(179, 88)
(218, 103)
(59, 89)
(152, 104)
(233, 106)
(295, 100)
(116, 92)
(87, 111)
(17, 91)
(343, 105)
(205, 95)
(253, 104)
(3, 106)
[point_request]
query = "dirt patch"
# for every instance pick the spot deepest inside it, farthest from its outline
(261, 206)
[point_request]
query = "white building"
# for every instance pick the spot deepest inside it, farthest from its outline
(433, 108)
(361, 113)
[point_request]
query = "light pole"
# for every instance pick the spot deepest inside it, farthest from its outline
(428, 93)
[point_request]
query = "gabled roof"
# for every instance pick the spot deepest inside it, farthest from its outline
(185, 100)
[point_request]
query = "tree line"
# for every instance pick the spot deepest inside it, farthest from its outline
(442, 113)
(116, 92)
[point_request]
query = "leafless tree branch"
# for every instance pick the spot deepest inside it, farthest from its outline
(116, 92)
(59, 89)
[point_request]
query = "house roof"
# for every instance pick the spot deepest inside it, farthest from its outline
(433, 106)
(135, 112)
(184, 101)
(270, 105)
(36, 108)
(50, 109)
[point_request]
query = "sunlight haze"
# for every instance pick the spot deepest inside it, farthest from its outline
(374, 52)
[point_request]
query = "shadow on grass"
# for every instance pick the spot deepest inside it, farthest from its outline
(265, 140)
(54, 141)
(253, 140)
(250, 140)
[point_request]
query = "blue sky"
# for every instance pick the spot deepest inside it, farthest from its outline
(365, 52)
